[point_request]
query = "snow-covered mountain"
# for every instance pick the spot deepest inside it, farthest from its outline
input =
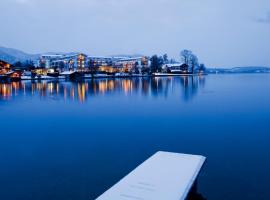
(13, 55)
(253, 69)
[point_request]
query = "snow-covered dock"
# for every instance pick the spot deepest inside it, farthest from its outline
(164, 176)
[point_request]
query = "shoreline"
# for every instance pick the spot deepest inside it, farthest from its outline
(96, 76)
(112, 76)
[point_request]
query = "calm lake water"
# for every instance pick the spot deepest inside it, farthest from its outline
(65, 141)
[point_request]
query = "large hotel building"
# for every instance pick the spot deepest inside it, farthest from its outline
(82, 62)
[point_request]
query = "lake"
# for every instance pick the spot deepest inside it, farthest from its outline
(73, 140)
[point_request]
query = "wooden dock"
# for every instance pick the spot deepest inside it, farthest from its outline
(164, 176)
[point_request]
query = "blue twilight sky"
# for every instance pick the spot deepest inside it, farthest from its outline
(220, 32)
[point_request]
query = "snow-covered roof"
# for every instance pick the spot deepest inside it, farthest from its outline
(173, 64)
(61, 56)
(130, 59)
(99, 57)
(51, 55)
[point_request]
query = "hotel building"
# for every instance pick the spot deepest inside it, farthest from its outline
(82, 62)
(130, 64)
(64, 62)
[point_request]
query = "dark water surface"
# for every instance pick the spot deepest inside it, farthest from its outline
(65, 141)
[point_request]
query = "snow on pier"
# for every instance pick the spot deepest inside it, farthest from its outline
(164, 176)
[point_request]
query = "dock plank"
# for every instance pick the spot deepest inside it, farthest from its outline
(164, 176)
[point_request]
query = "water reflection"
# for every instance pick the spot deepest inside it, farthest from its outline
(187, 87)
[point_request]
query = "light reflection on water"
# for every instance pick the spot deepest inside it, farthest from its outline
(81, 91)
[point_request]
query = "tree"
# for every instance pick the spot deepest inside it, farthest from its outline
(165, 59)
(42, 64)
(186, 56)
(189, 59)
(26, 65)
(156, 63)
(18, 64)
(194, 63)
(145, 70)
(172, 61)
(201, 68)
(29, 65)
(61, 65)
(136, 68)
